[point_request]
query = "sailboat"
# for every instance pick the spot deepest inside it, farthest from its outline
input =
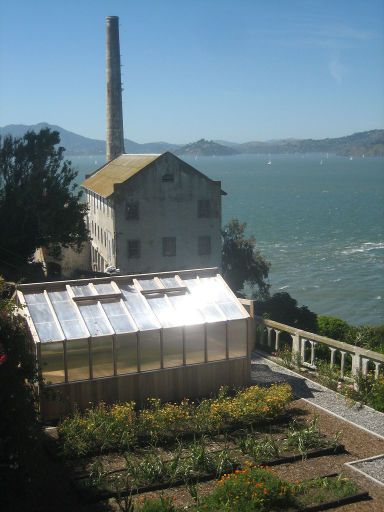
(269, 162)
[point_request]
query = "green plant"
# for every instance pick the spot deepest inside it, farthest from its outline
(376, 394)
(327, 375)
(288, 358)
(303, 437)
(97, 474)
(365, 390)
(161, 504)
(323, 489)
(260, 450)
(224, 462)
(103, 428)
(149, 469)
(250, 489)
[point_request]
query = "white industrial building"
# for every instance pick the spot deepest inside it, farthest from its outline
(153, 213)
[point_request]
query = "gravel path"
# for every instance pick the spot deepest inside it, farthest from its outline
(265, 371)
(373, 467)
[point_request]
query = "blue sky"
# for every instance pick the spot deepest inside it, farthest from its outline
(233, 70)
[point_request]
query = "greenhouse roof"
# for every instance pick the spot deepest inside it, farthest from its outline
(121, 304)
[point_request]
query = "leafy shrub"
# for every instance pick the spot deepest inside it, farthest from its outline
(253, 488)
(365, 390)
(304, 438)
(333, 327)
(283, 308)
(19, 427)
(327, 375)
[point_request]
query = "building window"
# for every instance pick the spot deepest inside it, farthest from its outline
(169, 246)
(132, 210)
(168, 177)
(204, 245)
(204, 208)
(133, 248)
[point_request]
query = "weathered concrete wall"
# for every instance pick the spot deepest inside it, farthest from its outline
(69, 261)
(167, 209)
(101, 228)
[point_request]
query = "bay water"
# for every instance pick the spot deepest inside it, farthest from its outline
(318, 219)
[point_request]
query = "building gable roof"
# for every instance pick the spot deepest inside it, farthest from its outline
(116, 171)
(123, 168)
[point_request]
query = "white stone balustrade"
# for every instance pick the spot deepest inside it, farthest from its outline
(360, 357)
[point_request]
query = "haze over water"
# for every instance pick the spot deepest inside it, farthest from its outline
(318, 220)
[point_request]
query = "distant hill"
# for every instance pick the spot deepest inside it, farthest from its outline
(369, 143)
(78, 145)
(204, 147)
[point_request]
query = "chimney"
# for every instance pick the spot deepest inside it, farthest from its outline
(115, 132)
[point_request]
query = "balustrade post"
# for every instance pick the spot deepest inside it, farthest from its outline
(296, 348)
(364, 368)
(277, 339)
(356, 363)
(261, 334)
(342, 363)
(313, 346)
(377, 369)
(333, 351)
(269, 340)
(302, 349)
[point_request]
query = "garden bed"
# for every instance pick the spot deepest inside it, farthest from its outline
(186, 462)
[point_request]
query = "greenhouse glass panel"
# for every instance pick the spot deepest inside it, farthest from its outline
(42, 317)
(216, 341)
(82, 290)
(186, 309)
(77, 359)
(237, 338)
(126, 353)
(104, 288)
(172, 347)
(94, 319)
(68, 315)
(202, 301)
(163, 310)
(216, 290)
(118, 317)
(139, 309)
(170, 282)
(194, 344)
(102, 357)
(148, 284)
(149, 347)
(230, 310)
(52, 362)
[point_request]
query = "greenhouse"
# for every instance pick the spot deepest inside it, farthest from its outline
(98, 329)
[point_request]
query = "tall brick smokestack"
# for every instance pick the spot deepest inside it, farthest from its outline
(115, 131)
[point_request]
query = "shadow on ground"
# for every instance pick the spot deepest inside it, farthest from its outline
(264, 375)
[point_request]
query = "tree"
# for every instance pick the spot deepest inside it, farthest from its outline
(19, 428)
(283, 308)
(333, 327)
(241, 262)
(39, 203)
